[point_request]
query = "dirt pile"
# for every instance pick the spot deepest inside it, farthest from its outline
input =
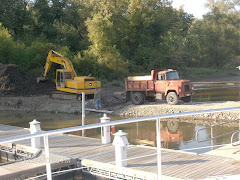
(113, 95)
(15, 82)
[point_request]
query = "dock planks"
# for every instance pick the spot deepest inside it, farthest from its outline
(142, 160)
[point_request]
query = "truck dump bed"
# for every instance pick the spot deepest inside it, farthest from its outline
(139, 83)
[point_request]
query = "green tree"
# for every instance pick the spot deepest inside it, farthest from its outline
(6, 45)
(46, 13)
(215, 37)
(103, 34)
(15, 15)
(73, 28)
(153, 35)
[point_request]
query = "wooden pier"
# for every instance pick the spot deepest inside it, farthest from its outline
(98, 159)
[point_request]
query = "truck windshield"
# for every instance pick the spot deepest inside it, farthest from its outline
(173, 75)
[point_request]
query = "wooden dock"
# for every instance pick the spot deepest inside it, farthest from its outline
(97, 158)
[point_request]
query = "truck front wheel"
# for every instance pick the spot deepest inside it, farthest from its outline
(172, 98)
(137, 98)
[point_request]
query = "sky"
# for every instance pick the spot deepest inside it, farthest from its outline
(195, 7)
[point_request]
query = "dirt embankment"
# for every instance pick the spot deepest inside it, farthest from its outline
(17, 83)
(20, 92)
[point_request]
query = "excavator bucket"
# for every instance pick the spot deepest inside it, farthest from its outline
(41, 79)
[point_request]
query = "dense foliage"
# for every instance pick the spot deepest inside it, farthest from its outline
(112, 38)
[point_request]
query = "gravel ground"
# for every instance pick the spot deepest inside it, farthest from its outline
(161, 107)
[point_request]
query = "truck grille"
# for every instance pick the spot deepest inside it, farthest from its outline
(186, 87)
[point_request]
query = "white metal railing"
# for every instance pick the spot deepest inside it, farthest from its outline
(212, 138)
(45, 134)
(211, 127)
(233, 134)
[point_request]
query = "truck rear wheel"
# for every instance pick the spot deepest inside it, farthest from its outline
(186, 99)
(172, 98)
(137, 98)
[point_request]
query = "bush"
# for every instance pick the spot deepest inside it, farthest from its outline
(6, 46)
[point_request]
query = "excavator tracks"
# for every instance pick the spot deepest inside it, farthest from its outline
(65, 96)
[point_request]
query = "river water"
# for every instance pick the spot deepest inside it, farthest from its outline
(175, 135)
(217, 94)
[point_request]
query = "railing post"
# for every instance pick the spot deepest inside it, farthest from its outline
(239, 127)
(212, 142)
(105, 131)
(35, 128)
(48, 164)
(83, 112)
(120, 142)
(159, 155)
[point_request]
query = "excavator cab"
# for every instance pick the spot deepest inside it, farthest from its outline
(61, 76)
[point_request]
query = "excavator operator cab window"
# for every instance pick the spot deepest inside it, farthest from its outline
(60, 78)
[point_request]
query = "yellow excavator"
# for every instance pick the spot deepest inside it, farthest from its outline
(67, 79)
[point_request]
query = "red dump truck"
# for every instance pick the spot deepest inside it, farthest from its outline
(161, 84)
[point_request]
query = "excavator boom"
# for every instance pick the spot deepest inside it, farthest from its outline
(59, 59)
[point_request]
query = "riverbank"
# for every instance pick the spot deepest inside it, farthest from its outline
(36, 98)
(43, 104)
(112, 96)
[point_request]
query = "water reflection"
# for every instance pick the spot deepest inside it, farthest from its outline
(217, 94)
(174, 134)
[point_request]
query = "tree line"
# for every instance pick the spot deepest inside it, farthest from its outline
(113, 38)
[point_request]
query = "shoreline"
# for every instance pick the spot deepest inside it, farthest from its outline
(44, 104)
(160, 108)
(113, 99)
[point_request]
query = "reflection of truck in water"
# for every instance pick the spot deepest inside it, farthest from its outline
(171, 135)
(161, 84)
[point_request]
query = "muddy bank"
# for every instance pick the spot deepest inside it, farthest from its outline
(39, 104)
(111, 97)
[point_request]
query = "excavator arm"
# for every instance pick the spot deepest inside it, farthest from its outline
(55, 57)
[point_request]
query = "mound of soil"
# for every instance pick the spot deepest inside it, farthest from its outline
(15, 82)
(112, 95)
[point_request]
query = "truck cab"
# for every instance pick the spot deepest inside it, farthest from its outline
(168, 83)
(162, 84)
